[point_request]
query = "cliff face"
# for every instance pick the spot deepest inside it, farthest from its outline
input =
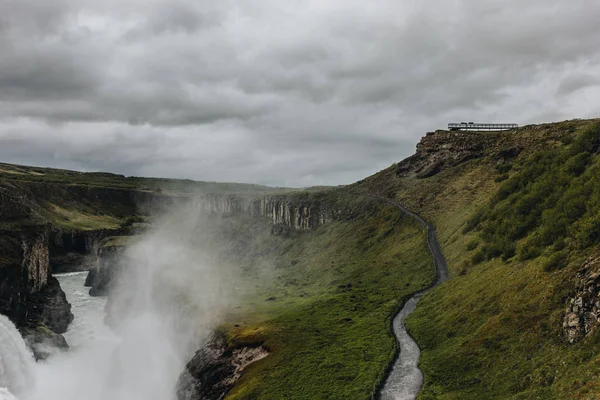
(29, 295)
(36, 260)
(290, 211)
(108, 266)
(441, 150)
(75, 250)
(299, 214)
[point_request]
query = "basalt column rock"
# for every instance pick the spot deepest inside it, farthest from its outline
(25, 274)
(292, 211)
(29, 295)
(296, 212)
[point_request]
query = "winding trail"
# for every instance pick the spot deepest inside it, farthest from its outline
(405, 379)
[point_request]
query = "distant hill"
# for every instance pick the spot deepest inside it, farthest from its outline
(518, 216)
(105, 179)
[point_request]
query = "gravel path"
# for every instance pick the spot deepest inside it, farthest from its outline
(406, 379)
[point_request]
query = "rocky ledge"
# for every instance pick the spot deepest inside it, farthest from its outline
(215, 368)
(582, 315)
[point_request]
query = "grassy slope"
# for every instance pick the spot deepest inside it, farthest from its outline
(324, 313)
(494, 331)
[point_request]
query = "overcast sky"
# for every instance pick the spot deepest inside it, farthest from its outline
(296, 92)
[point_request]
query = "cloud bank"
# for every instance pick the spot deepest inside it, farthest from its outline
(284, 93)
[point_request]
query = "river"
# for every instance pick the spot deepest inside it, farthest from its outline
(88, 326)
(74, 374)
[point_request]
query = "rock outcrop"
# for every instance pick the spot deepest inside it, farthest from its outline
(29, 295)
(109, 265)
(441, 150)
(215, 368)
(582, 315)
(43, 341)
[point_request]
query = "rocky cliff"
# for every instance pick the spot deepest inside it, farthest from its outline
(441, 150)
(108, 267)
(76, 250)
(298, 211)
(215, 368)
(29, 295)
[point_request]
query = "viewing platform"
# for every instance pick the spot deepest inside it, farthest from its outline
(473, 126)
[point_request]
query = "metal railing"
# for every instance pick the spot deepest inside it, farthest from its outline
(472, 126)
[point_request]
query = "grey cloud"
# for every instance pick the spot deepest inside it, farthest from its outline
(575, 82)
(271, 92)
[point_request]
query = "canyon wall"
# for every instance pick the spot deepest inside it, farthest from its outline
(29, 295)
(296, 211)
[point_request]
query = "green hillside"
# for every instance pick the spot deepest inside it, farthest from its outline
(516, 231)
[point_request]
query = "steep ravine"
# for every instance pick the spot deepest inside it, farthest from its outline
(404, 380)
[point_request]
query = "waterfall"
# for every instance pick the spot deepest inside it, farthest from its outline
(6, 395)
(16, 362)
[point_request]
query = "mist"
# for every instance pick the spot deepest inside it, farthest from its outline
(172, 293)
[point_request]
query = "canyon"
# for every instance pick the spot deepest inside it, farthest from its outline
(309, 281)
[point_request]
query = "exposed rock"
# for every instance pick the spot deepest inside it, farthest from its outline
(214, 369)
(441, 150)
(43, 342)
(29, 295)
(286, 211)
(91, 277)
(50, 307)
(109, 266)
(35, 259)
(75, 250)
(582, 315)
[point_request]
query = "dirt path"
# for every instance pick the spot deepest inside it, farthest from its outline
(406, 379)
